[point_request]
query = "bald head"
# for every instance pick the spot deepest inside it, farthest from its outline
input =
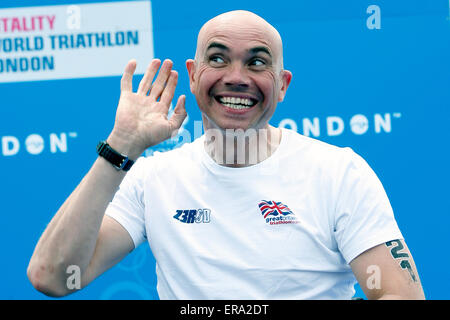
(237, 76)
(241, 24)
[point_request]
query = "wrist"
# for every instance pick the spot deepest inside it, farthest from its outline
(123, 145)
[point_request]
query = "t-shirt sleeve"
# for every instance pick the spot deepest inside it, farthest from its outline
(127, 205)
(364, 216)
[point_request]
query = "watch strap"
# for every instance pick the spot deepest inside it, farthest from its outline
(118, 160)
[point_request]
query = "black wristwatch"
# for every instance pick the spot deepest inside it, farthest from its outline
(118, 160)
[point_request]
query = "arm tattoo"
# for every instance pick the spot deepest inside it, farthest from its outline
(396, 254)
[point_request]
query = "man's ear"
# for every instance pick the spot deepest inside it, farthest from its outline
(286, 77)
(190, 65)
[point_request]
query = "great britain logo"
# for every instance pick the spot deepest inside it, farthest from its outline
(275, 212)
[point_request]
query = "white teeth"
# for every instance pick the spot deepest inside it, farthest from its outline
(235, 106)
(236, 103)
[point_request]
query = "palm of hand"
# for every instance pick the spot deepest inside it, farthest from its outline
(141, 117)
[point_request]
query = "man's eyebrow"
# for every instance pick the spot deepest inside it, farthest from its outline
(253, 51)
(218, 46)
(264, 49)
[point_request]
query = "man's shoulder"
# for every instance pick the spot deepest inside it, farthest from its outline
(326, 157)
(313, 154)
(312, 147)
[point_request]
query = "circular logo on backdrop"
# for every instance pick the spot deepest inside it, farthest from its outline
(359, 124)
(34, 144)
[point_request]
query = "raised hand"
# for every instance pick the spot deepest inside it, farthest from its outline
(141, 117)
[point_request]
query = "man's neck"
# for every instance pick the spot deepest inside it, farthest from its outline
(238, 148)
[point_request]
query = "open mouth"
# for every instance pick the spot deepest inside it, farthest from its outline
(236, 103)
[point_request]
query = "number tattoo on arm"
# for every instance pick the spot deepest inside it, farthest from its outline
(396, 254)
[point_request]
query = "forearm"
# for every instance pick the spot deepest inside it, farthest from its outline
(71, 236)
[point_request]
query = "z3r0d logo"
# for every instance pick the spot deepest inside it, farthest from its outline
(35, 144)
(193, 215)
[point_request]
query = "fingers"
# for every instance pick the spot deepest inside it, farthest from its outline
(161, 80)
(163, 87)
(126, 83)
(146, 82)
(179, 114)
(169, 90)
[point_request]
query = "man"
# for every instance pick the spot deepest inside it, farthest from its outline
(247, 211)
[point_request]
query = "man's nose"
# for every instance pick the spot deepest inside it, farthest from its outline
(236, 75)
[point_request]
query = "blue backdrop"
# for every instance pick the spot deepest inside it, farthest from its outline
(379, 86)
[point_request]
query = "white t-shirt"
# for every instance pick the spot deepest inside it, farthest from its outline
(285, 228)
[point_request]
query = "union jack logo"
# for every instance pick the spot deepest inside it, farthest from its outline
(273, 208)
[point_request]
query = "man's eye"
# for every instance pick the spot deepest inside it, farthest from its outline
(257, 62)
(217, 60)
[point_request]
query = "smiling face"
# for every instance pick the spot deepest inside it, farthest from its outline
(237, 76)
